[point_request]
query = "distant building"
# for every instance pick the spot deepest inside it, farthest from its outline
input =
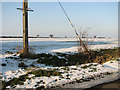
(101, 37)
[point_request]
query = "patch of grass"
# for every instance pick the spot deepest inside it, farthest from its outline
(14, 81)
(22, 79)
(117, 59)
(29, 56)
(66, 68)
(85, 66)
(22, 64)
(111, 62)
(61, 54)
(94, 69)
(54, 61)
(9, 52)
(100, 56)
(39, 61)
(32, 65)
(95, 64)
(74, 69)
(39, 73)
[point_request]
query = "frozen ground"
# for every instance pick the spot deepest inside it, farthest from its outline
(74, 73)
(46, 45)
(73, 76)
(93, 47)
(113, 43)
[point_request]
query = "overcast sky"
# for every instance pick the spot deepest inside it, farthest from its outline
(48, 18)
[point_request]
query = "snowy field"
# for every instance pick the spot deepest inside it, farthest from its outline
(53, 39)
(45, 45)
(71, 75)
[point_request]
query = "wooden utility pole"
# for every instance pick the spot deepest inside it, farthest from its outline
(25, 10)
(25, 27)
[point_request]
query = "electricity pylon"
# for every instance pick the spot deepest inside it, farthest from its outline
(25, 10)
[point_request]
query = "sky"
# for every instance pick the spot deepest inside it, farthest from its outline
(48, 18)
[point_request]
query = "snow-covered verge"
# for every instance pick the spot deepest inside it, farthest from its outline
(92, 47)
(93, 83)
(69, 75)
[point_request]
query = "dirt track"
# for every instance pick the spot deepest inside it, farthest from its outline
(115, 85)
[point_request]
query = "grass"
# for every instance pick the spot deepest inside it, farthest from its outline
(111, 62)
(14, 81)
(99, 56)
(66, 68)
(117, 59)
(22, 64)
(94, 69)
(48, 73)
(85, 66)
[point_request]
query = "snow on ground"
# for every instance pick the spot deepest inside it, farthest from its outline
(93, 83)
(12, 64)
(93, 72)
(73, 73)
(109, 66)
(92, 47)
(53, 39)
(113, 43)
(12, 74)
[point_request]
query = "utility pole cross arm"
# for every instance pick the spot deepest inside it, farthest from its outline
(27, 9)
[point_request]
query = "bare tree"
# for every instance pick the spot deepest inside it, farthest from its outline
(65, 36)
(95, 36)
(51, 35)
(84, 35)
(38, 35)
